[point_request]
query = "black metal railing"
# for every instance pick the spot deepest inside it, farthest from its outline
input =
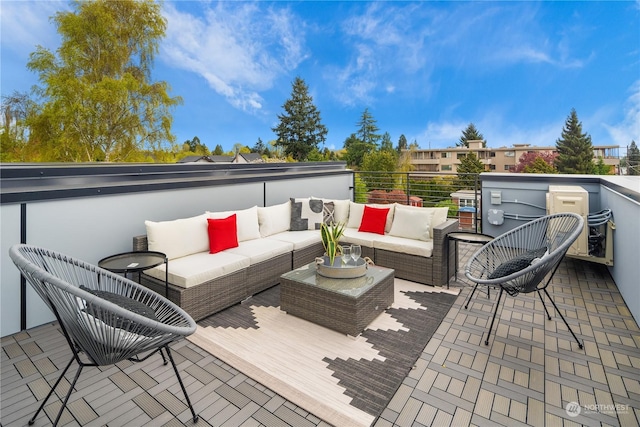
(460, 193)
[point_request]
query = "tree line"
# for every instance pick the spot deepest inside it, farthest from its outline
(96, 102)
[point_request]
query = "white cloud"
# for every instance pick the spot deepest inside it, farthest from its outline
(239, 48)
(405, 43)
(628, 129)
(25, 24)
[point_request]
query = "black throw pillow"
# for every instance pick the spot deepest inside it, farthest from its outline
(518, 263)
(124, 302)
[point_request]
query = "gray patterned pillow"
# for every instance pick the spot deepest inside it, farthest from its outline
(327, 213)
(306, 214)
(518, 263)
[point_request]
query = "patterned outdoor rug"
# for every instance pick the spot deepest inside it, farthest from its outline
(344, 380)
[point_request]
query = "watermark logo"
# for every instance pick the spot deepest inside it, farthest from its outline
(573, 409)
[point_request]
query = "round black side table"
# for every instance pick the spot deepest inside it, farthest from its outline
(137, 262)
(465, 237)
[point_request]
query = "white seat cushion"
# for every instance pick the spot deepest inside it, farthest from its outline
(259, 250)
(362, 238)
(406, 246)
(299, 239)
(198, 268)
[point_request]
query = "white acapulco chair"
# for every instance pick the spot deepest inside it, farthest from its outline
(104, 317)
(524, 259)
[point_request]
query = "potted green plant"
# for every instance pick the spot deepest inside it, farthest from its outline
(331, 234)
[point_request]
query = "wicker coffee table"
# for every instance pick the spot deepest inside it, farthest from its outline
(344, 305)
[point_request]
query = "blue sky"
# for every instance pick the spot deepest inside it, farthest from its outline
(423, 69)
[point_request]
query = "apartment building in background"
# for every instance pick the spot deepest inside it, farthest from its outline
(503, 159)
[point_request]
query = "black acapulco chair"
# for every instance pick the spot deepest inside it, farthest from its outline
(524, 259)
(104, 317)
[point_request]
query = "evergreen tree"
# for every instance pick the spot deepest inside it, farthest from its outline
(218, 151)
(386, 144)
(354, 150)
(367, 129)
(402, 143)
(99, 100)
(575, 151)
(600, 168)
(259, 147)
(469, 167)
(470, 134)
(300, 129)
(633, 159)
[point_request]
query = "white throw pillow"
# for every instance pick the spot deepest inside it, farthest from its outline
(340, 209)
(412, 223)
(246, 222)
(274, 219)
(356, 210)
(178, 238)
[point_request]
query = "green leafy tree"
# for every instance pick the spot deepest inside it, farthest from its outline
(13, 137)
(527, 160)
(196, 147)
(468, 169)
(402, 143)
(355, 150)
(575, 151)
(470, 134)
(382, 164)
(539, 165)
(300, 129)
(633, 159)
(99, 102)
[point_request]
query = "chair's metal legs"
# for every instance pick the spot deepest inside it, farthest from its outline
(544, 305)
(466, 305)
(563, 319)
(468, 300)
(33, 419)
(184, 390)
(494, 316)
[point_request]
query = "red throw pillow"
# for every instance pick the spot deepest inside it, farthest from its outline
(223, 234)
(374, 220)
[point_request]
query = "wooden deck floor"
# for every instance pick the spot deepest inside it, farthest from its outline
(528, 375)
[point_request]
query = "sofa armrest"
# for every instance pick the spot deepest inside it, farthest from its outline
(140, 243)
(442, 252)
(440, 231)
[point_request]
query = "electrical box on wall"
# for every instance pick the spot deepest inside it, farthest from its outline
(575, 199)
(496, 197)
(495, 217)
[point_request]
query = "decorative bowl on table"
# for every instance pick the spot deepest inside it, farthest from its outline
(340, 270)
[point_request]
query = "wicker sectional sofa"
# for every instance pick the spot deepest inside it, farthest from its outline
(203, 283)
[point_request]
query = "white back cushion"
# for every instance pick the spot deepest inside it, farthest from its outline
(180, 237)
(412, 223)
(274, 219)
(246, 222)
